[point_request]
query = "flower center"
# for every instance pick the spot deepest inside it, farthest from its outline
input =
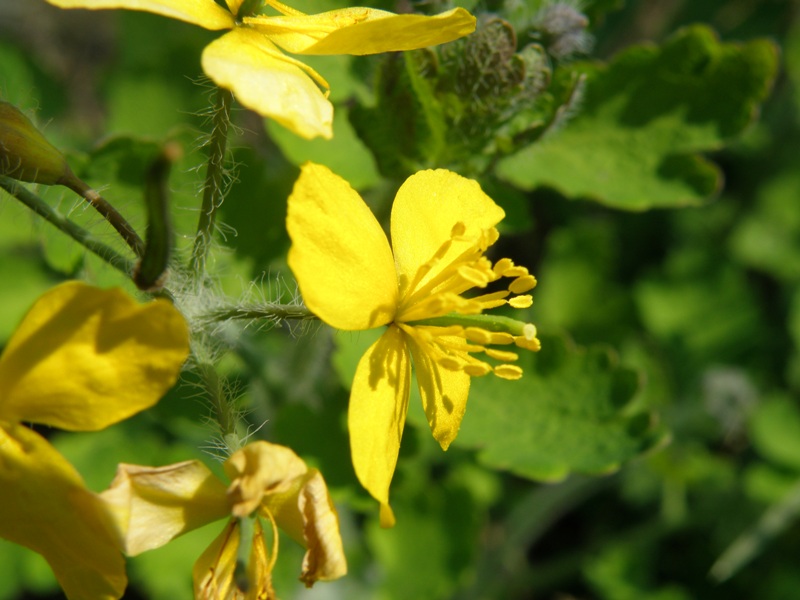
(451, 328)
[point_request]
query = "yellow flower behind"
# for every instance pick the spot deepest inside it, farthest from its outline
(247, 60)
(441, 225)
(82, 359)
(153, 505)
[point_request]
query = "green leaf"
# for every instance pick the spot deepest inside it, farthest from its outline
(570, 412)
(406, 129)
(30, 281)
(436, 538)
(16, 79)
(707, 314)
(768, 237)
(345, 154)
(775, 431)
(11, 557)
(646, 117)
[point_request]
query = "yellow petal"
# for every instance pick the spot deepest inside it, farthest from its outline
(153, 505)
(444, 393)
(214, 571)
(84, 358)
(234, 5)
(362, 31)
(259, 467)
(269, 82)
(377, 412)
(205, 13)
(306, 512)
(427, 207)
(45, 506)
(339, 255)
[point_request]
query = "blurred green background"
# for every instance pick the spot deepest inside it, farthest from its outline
(648, 164)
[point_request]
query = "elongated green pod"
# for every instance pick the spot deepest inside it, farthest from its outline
(25, 154)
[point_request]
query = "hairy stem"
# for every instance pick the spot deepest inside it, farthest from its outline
(109, 213)
(266, 312)
(72, 229)
(213, 187)
(224, 413)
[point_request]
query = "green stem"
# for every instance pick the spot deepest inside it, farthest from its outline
(488, 322)
(151, 270)
(109, 213)
(212, 189)
(214, 387)
(75, 231)
(247, 526)
(268, 312)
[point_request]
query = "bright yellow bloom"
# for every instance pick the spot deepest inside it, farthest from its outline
(153, 505)
(441, 226)
(248, 62)
(82, 359)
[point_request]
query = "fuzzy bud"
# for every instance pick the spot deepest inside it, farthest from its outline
(25, 154)
(562, 29)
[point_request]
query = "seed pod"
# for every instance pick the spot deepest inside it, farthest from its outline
(25, 154)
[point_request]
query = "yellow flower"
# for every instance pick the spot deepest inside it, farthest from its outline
(81, 359)
(441, 226)
(247, 61)
(153, 505)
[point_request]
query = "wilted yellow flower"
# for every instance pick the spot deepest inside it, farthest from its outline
(153, 505)
(82, 359)
(441, 226)
(248, 62)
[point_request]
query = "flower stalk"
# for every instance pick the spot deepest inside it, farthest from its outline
(224, 412)
(272, 312)
(108, 212)
(72, 229)
(213, 187)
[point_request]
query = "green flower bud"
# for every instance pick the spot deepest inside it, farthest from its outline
(25, 154)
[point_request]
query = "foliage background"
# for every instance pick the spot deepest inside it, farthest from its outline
(653, 448)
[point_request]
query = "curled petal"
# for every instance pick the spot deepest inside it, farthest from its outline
(205, 13)
(377, 413)
(305, 511)
(446, 203)
(45, 506)
(153, 505)
(339, 255)
(362, 31)
(260, 468)
(84, 358)
(269, 82)
(214, 572)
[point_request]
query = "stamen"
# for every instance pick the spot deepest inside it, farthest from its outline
(522, 284)
(511, 372)
(476, 277)
(503, 355)
(472, 256)
(426, 267)
(478, 369)
(502, 265)
(501, 338)
(478, 335)
(521, 301)
(515, 271)
(533, 345)
(450, 363)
